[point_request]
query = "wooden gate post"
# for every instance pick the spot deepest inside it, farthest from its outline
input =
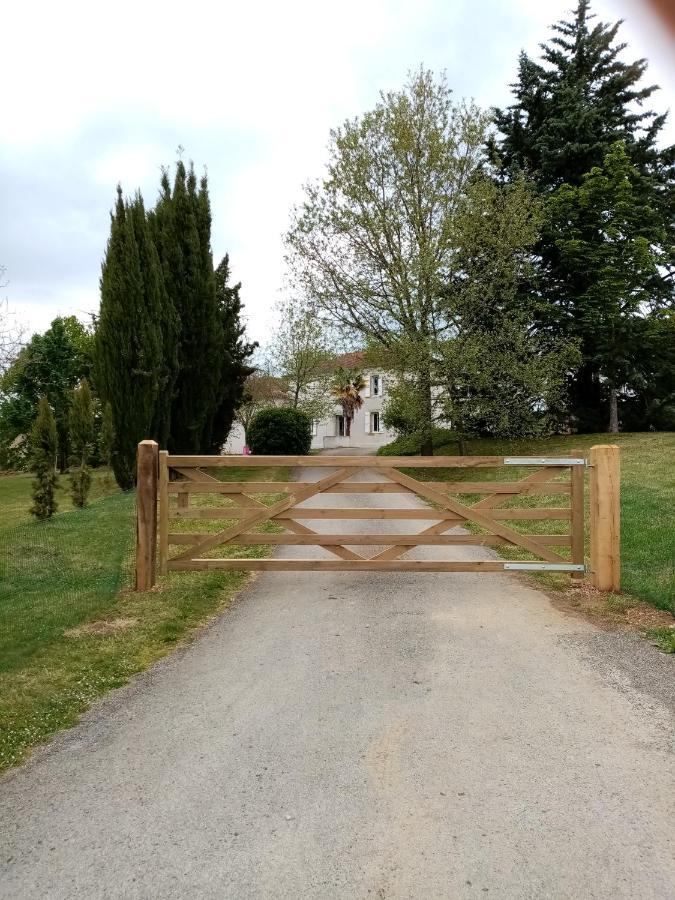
(146, 514)
(605, 517)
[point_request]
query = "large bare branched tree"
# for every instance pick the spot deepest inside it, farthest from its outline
(11, 335)
(300, 353)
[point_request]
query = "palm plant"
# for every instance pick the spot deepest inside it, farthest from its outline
(346, 388)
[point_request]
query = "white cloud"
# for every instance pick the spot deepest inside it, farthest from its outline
(101, 92)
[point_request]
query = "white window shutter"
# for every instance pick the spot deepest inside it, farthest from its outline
(367, 423)
(382, 385)
(366, 390)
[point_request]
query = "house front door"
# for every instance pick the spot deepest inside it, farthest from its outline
(340, 426)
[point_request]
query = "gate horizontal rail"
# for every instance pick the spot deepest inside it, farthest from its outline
(178, 481)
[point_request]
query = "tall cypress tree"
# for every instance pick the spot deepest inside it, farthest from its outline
(234, 367)
(128, 352)
(184, 238)
(570, 108)
(159, 226)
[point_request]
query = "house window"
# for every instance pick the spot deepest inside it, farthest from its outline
(315, 427)
(375, 425)
(340, 426)
(376, 385)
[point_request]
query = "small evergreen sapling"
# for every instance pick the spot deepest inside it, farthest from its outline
(43, 461)
(81, 422)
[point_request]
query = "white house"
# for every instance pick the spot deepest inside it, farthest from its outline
(367, 428)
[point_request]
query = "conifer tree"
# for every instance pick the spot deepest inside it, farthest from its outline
(619, 268)
(81, 422)
(43, 442)
(183, 226)
(128, 350)
(161, 312)
(570, 109)
(234, 368)
(107, 435)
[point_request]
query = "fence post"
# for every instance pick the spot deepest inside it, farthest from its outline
(146, 514)
(605, 517)
(578, 550)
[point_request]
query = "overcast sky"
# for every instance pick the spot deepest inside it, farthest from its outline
(96, 93)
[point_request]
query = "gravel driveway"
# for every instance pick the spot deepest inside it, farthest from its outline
(348, 735)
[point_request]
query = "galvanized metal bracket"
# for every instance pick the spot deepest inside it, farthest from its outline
(543, 461)
(543, 567)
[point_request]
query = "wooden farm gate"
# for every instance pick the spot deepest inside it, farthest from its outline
(177, 481)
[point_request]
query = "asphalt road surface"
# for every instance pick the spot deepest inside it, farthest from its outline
(354, 735)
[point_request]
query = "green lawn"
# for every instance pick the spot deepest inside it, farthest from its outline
(69, 627)
(15, 490)
(647, 501)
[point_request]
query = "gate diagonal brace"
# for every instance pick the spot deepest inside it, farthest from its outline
(336, 549)
(473, 515)
(259, 516)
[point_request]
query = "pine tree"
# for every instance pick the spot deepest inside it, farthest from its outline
(128, 354)
(576, 103)
(161, 312)
(184, 239)
(234, 369)
(619, 267)
(570, 109)
(107, 435)
(160, 224)
(81, 422)
(43, 441)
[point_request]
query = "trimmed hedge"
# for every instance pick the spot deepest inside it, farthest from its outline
(280, 431)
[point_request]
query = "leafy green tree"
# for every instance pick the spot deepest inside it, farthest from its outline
(51, 364)
(43, 443)
(606, 226)
(300, 353)
(234, 360)
(504, 376)
(373, 242)
(183, 231)
(16, 417)
(81, 437)
(570, 108)
(128, 350)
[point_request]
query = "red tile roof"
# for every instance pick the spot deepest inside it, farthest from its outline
(354, 360)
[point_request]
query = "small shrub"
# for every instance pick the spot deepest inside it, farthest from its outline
(280, 431)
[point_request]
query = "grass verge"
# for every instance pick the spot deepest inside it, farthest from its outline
(70, 629)
(647, 503)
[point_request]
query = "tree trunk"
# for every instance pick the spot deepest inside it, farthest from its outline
(461, 445)
(348, 426)
(613, 411)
